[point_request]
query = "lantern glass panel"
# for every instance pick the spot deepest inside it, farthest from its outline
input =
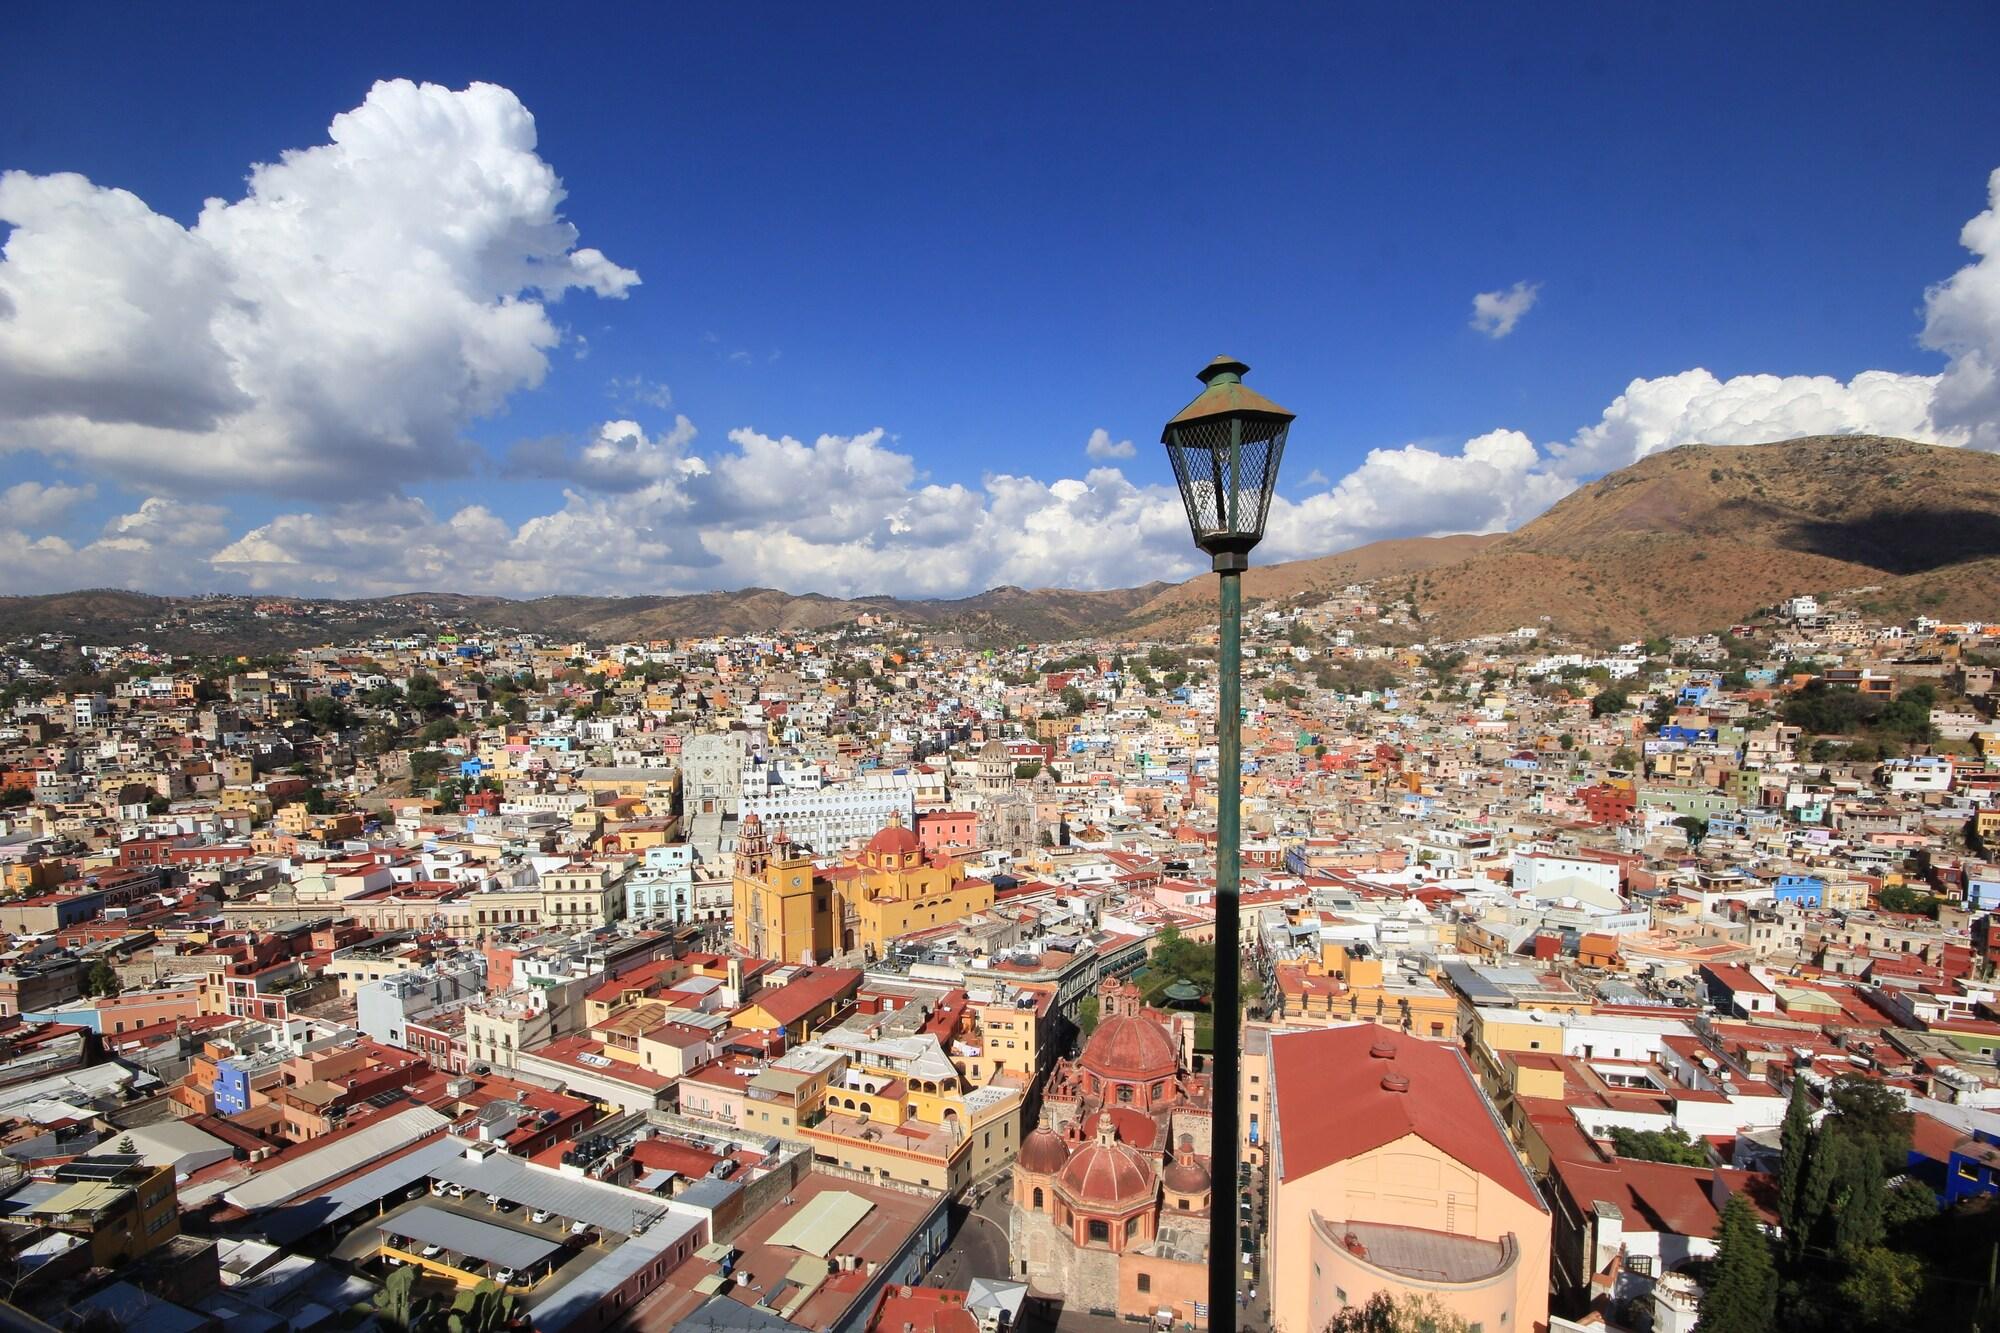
(1227, 468)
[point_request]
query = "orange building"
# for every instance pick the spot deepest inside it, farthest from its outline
(1391, 1173)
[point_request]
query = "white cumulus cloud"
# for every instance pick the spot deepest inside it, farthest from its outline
(1101, 446)
(1962, 320)
(36, 504)
(332, 331)
(1496, 313)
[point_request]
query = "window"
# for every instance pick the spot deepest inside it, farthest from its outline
(1038, 1198)
(1099, 1232)
(1145, 1283)
(1968, 1171)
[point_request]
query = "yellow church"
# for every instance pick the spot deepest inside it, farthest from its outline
(787, 909)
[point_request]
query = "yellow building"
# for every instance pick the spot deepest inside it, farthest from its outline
(896, 890)
(900, 1109)
(782, 907)
(787, 910)
(1343, 986)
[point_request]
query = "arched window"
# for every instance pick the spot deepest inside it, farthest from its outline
(1038, 1198)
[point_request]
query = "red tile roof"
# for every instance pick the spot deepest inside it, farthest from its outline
(1332, 1105)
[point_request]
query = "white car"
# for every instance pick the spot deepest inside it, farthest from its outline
(504, 1276)
(437, 1189)
(541, 1215)
(431, 1251)
(456, 1191)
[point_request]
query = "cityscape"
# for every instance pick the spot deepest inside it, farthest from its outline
(911, 853)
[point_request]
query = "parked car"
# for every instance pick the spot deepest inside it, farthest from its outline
(431, 1251)
(540, 1215)
(504, 1276)
(437, 1189)
(456, 1191)
(506, 1206)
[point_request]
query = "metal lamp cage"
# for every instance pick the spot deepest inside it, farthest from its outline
(1225, 448)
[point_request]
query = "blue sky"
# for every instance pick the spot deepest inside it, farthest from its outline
(985, 236)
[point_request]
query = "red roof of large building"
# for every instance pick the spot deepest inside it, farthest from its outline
(1106, 1173)
(1343, 1092)
(1130, 1047)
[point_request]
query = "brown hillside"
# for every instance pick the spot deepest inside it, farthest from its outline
(1185, 603)
(1703, 535)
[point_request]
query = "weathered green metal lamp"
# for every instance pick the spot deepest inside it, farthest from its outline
(1225, 447)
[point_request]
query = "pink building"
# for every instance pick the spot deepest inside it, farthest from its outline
(947, 831)
(1391, 1173)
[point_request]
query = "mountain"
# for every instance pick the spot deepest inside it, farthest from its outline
(1687, 540)
(1700, 536)
(1186, 605)
(232, 623)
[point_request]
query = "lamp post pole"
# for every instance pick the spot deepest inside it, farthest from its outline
(1226, 1062)
(1225, 447)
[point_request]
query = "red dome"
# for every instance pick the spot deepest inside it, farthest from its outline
(1107, 1174)
(1184, 1175)
(1044, 1153)
(893, 844)
(1132, 1049)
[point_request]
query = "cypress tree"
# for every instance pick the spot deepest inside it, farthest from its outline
(1857, 1221)
(1795, 1149)
(1742, 1294)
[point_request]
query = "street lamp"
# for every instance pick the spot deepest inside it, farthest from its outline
(1225, 447)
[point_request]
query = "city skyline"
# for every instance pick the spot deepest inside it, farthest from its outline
(484, 326)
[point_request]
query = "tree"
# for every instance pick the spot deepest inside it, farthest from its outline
(1696, 829)
(101, 979)
(1658, 1145)
(1882, 1286)
(328, 713)
(1795, 1140)
(1086, 1015)
(1742, 1294)
(1412, 1312)
(1624, 758)
(1074, 700)
(1876, 1117)
(1609, 701)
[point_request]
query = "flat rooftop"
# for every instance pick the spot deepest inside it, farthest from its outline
(485, 1241)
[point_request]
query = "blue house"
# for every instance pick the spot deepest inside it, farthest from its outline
(1691, 735)
(1982, 891)
(1696, 692)
(471, 769)
(1974, 1168)
(232, 1088)
(1804, 890)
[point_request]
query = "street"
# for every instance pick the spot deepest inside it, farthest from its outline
(978, 1247)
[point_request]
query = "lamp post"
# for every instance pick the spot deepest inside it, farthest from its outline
(1225, 447)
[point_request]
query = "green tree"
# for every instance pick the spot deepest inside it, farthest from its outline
(1658, 1145)
(1086, 1015)
(1742, 1293)
(1412, 1312)
(101, 979)
(328, 713)
(1696, 828)
(1624, 758)
(1876, 1117)
(1882, 1286)
(1607, 702)
(1795, 1140)
(1074, 701)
